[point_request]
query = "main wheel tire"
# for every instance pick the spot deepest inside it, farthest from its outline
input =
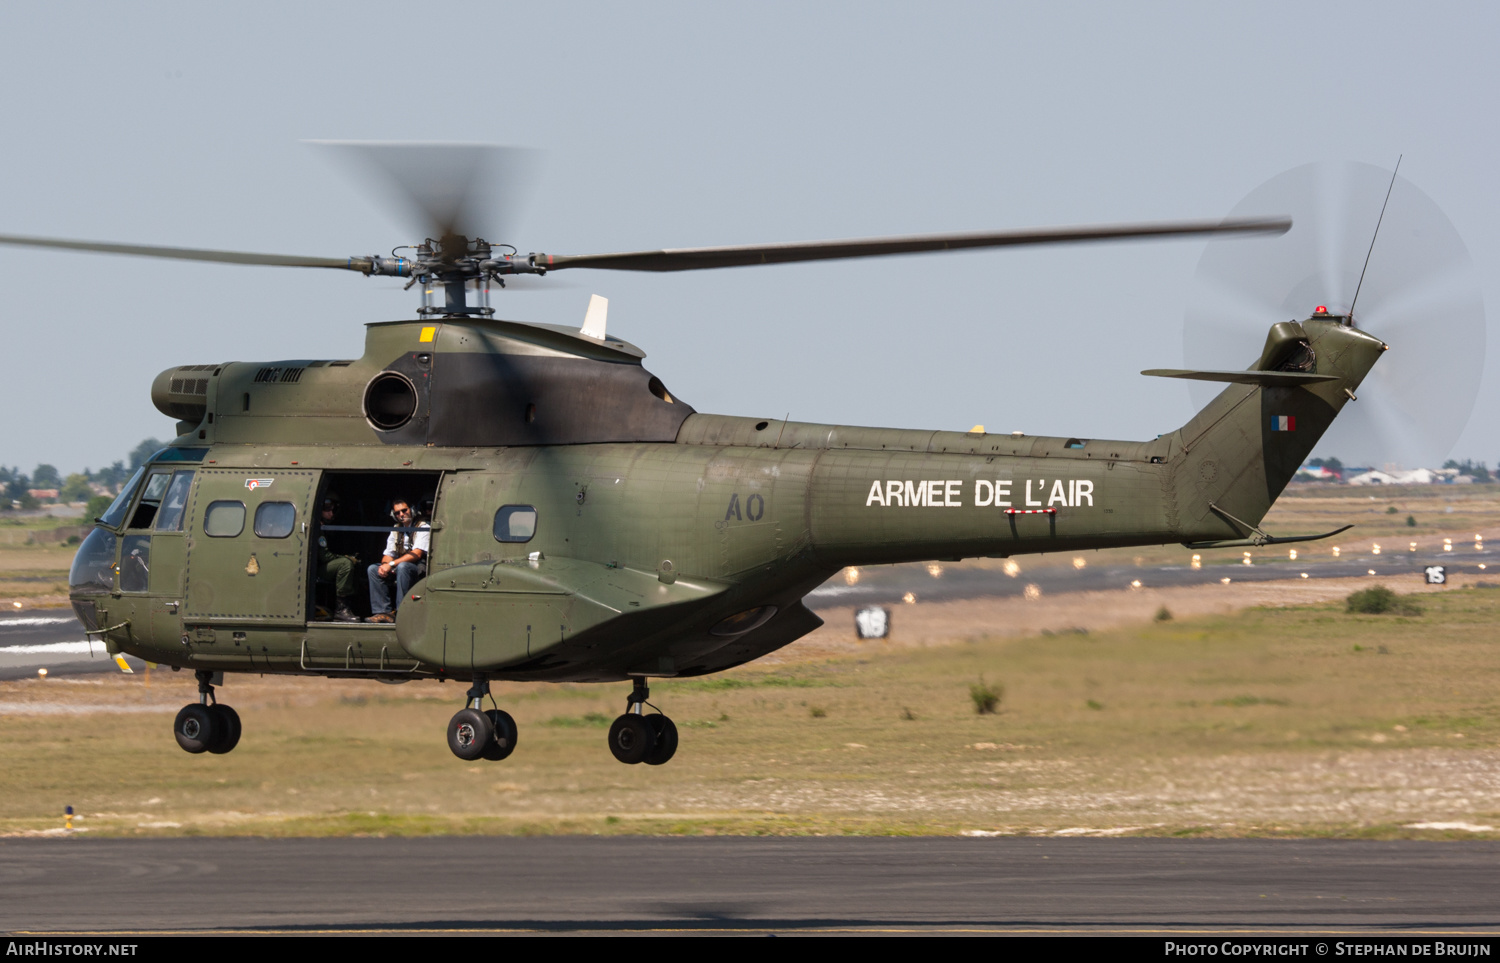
(664, 731)
(631, 738)
(226, 728)
(469, 731)
(194, 728)
(503, 743)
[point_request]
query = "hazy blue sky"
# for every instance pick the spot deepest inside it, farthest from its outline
(692, 124)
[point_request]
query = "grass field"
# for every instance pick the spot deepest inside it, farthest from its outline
(1270, 721)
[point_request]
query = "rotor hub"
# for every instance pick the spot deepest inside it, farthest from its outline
(453, 263)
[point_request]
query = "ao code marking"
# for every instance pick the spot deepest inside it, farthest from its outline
(755, 508)
(948, 493)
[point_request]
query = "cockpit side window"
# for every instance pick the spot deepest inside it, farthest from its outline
(169, 518)
(156, 487)
(115, 513)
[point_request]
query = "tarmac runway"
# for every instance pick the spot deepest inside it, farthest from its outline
(752, 886)
(886, 584)
(50, 638)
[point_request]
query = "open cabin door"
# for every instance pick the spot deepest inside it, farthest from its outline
(247, 546)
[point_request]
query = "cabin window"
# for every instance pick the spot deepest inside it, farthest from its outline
(169, 518)
(515, 523)
(135, 563)
(1076, 442)
(275, 519)
(224, 519)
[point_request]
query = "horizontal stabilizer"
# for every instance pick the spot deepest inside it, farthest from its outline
(1266, 379)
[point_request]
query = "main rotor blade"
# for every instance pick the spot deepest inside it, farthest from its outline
(189, 253)
(701, 258)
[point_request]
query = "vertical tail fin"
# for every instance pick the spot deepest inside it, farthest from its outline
(1239, 452)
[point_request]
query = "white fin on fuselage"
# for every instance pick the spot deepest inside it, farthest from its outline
(594, 320)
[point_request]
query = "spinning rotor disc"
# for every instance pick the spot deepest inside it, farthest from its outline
(1420, 294)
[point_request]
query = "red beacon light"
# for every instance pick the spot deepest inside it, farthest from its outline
(1320, 309)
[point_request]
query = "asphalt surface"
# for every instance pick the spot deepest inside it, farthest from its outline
(884, 585)
(51, 639)
(752, 886)
(749, 885)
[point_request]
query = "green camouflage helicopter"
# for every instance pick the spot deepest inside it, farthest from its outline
(543, 508)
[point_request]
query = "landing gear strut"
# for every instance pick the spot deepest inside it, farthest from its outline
(637, 737)
(207, 725)
(477, 733)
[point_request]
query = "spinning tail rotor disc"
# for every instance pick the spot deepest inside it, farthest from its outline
(1421, 295)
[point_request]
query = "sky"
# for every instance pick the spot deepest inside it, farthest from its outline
(671, 125)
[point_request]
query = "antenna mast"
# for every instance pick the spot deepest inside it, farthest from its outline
(1372, 238)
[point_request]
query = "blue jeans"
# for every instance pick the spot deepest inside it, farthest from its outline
(407, 574)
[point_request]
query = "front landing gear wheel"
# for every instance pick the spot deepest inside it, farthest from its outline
(503, 742)
(664, 741)
(226, 729)
(631, 738)
(194, 728)
(469, 732)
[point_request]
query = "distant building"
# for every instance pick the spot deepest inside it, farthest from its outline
(1416, 476)
(43, 494)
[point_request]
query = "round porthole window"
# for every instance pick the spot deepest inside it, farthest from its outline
(390, 400)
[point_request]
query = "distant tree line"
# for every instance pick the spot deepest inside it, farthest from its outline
(16, 486)
(1478, 472)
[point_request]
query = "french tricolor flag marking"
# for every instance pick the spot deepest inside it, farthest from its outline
(1283, 422)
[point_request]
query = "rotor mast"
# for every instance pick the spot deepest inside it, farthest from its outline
(452, 263)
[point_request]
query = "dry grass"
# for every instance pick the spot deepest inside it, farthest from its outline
(1300, 721)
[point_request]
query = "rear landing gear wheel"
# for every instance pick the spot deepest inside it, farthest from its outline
(664, 746)
(226, 729)
(469, 733)
(631, 738)
(194, 728)
(503, 742)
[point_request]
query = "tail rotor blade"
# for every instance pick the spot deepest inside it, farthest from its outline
(1420, 294)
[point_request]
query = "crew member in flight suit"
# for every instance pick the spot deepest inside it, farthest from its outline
(338, 569)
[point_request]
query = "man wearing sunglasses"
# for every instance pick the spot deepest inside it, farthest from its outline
(404, 562)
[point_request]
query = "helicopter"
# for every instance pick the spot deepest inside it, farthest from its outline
(580, 522)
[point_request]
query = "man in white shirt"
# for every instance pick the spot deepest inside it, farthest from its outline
(404, 562)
